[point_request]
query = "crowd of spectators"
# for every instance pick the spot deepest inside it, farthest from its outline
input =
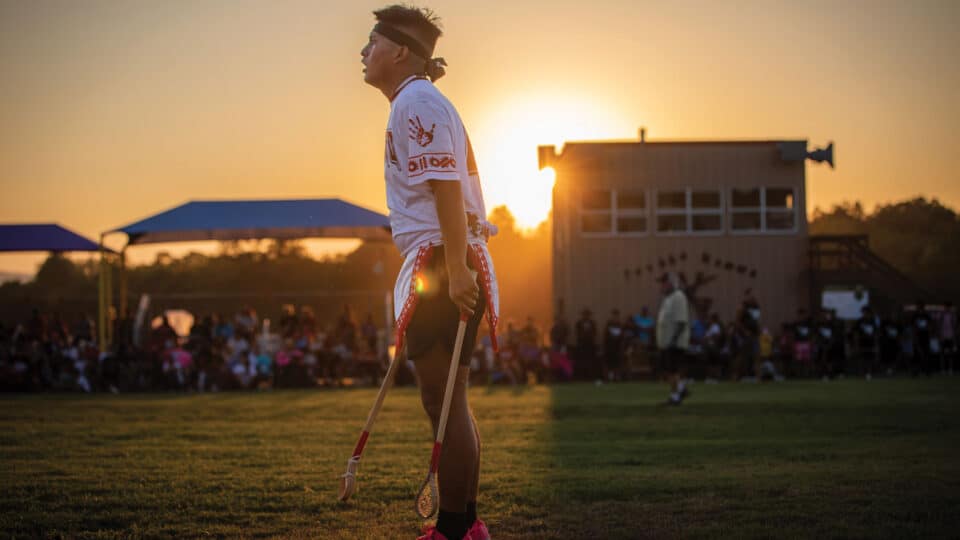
(243, 352)
(219, 353)
(912, 341)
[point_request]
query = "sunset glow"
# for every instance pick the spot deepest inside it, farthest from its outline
(507, 148)
(116, 113)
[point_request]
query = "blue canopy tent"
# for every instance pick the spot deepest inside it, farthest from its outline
(241, 220)
(43, 237)
(50, 237)
(245, 220)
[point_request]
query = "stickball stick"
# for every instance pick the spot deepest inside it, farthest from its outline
(348, 481)
(428, 497)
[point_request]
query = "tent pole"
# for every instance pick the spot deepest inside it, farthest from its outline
(123, 283)
(111, 310)
(101, 311)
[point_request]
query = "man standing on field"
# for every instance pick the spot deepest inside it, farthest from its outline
(673, 336)
(438, 219)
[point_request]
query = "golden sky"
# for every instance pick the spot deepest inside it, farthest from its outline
(113, 111)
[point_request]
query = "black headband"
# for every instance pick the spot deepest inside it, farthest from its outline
(401, 38)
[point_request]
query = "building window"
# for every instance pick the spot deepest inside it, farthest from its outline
(631, 212)
(779, 209)
(671, 211)
(596, 223)
(608, 212)
(689, 211)
(767, 209)
(706, 211)
(596, 200)
(746, 210)
(596, 211)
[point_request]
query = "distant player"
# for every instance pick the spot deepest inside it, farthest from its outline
(673, 336)
(439, 225)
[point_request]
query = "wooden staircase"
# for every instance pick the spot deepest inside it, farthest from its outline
(846, 260)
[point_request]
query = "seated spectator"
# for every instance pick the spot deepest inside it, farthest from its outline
(289, 364)
(246, 322)
(223, 329)
(162, 334)
(289, 322)
(201, 333)
(646, 324)
(36, 327)
(170, 374)
(561, 368)
(479, 370)
(243, 370)
(328, 361)
(183, 364)
(714, 342)
(264, 367)
(528, 350)
(346, 334)
(367, 364)
(238, 344)
(308, 327)
(698, 332)
(505, 370)
(83, 328)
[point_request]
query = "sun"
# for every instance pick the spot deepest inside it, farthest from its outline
(507, 142)
(529, 197)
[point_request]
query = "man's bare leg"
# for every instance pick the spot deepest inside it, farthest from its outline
(474, 491)
(460, 455)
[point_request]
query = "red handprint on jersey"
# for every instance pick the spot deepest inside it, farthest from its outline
(417, 133)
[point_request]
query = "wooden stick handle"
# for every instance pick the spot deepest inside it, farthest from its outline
(384, 387)
(451, 378)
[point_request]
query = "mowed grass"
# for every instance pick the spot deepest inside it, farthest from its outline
(791, 460)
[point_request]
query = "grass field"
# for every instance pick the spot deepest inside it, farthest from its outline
(792, 460)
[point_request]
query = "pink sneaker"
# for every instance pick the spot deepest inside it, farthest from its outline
(431, 533)
(478, 531)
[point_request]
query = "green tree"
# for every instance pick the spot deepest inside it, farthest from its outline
(920, 238)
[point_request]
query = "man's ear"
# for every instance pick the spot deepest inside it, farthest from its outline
(401, 54)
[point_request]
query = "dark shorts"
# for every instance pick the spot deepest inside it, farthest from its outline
(673, 359)
(436, 317)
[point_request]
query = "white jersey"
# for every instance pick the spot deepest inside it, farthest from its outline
(673, 310)
(426, 140)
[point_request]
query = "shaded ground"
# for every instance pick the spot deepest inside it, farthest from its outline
(805, 459)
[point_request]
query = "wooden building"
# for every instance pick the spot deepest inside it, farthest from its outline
(726, 216)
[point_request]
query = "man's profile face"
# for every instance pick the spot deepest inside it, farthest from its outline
(376, 58)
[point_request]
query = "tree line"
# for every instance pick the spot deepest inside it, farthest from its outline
(919, 237)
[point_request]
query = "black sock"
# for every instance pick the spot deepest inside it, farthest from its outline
(471, 513)
(452, 524)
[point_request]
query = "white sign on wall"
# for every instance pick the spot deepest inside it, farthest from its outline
(846, 302)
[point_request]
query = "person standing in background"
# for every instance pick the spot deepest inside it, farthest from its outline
(673, 336)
